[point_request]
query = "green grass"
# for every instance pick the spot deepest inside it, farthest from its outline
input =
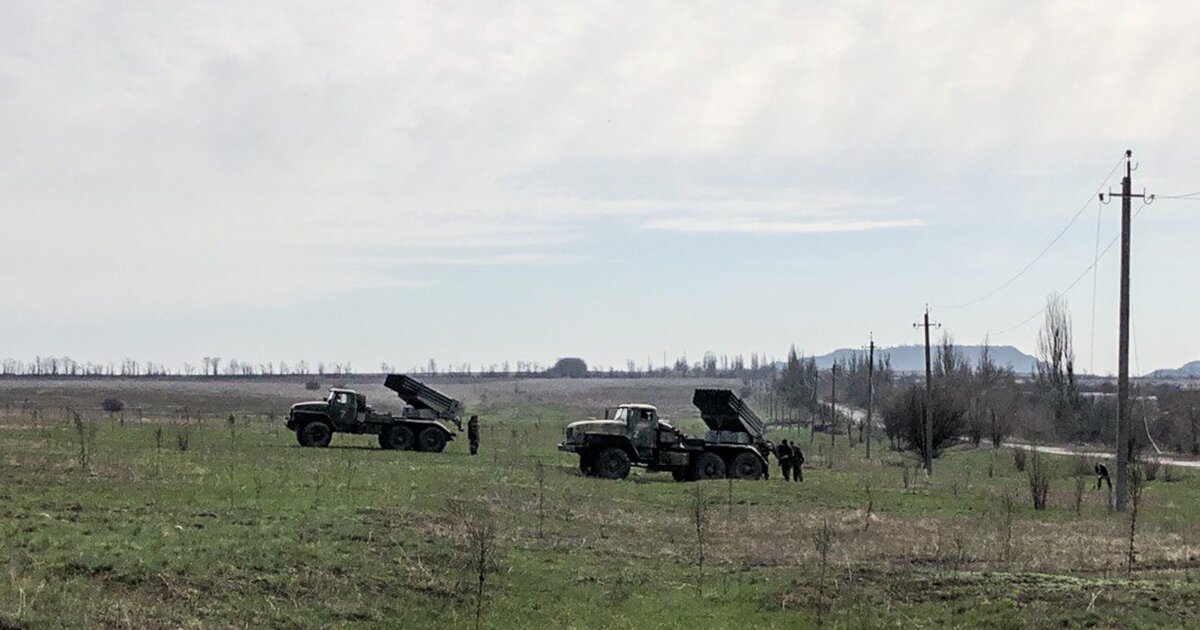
(251, 531)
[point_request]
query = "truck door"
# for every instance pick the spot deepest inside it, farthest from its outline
(343, 410)
(643, 431)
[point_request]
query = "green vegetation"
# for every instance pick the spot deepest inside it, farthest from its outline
(246, 529)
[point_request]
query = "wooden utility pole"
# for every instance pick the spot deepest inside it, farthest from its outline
(816, 407)
(926, 415)
(833, 404)
(870, 391)
(1125, 440)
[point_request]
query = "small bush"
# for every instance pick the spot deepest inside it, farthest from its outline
(1019, 455)
(312, 386)
(1039, 481)
(112, 405)
(183, 437)
(1150, 470)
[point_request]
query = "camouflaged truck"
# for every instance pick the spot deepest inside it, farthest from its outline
(421, 425)
(636, 436)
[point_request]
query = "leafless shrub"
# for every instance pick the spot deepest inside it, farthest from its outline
(870, 512)
(539, 472)
(904, 477)
(312, 385)
(231, 422)
(1008, 508)
(85, 435)
(1136, 483)
(481, 545)
(1150, 470)
(1169, 474)
(158, 437)
(1079, 486)
(823, 540)
(1080, 473)
(183, 436)
(729, 500)
(700, 521)
(1019, 456)
(1039, 480)
(960, 550)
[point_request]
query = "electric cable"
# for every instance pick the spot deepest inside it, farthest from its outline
(1074, 282)
(1046, 249)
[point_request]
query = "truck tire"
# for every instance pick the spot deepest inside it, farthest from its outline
(745, 466)
(316, 433)
(679, 474)
(431, 440)
(708, 466)
(585, 464)
(396, 437)
(611, 463)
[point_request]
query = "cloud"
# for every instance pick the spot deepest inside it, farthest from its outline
(164, 157)
(744, 225)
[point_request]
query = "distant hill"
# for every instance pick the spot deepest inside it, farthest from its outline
(912, 358)
(1189, 370)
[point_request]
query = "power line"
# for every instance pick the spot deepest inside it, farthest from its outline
(1048, 246)
(1073, 282)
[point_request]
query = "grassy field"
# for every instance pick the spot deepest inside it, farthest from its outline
(113, 525)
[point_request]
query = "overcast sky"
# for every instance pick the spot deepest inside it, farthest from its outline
(480, 182)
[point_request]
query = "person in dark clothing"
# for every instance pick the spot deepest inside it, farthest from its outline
(797, 464)
(473, 434)
(1102, 476)
(785, 460)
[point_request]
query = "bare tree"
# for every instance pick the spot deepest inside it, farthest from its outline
(1056, 366)
(481, 538)
(1137, 483)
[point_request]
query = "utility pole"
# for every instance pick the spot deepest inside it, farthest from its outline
(870, 390)
(816, 407)
(926, 417)
(833, 404)
(1125, 439)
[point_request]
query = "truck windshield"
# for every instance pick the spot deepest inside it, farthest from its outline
(621, 415)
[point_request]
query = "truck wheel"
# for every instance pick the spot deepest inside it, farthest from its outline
(432, 440)
(708, 466)
(396, 437)
(585, 464)
(314, 433)
(611, 463)
(679, 474)
(745, 466)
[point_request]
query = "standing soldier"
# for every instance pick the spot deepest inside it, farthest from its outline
(1102, 476)
(473, 434)
(785, 460)
(797, 464)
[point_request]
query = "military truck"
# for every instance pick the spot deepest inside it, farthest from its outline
(636, 436)
(421, 425)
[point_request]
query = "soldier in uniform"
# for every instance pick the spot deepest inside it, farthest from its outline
(785, 460)
(473, 434)
(1102, 476)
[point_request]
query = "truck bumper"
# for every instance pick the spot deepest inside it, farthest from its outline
(569, 448)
